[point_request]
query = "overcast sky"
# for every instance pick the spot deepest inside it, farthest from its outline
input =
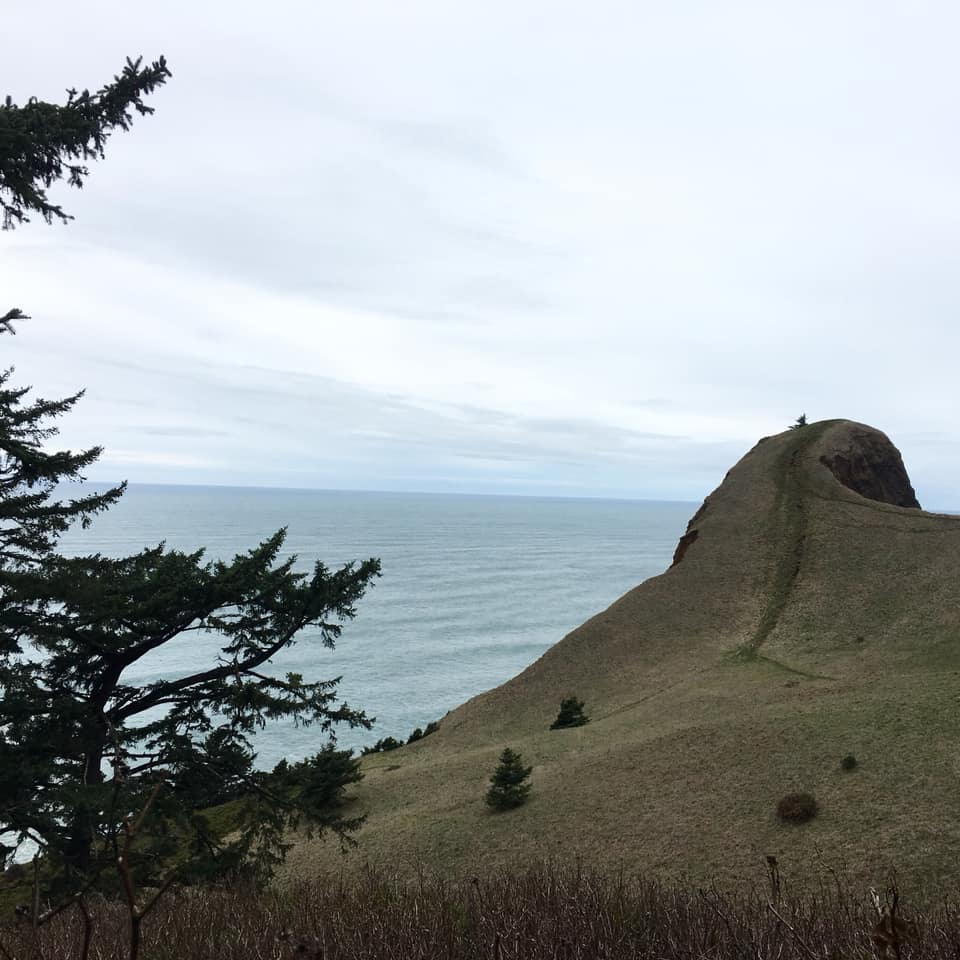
(568, 248)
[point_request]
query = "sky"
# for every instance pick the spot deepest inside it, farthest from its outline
(530, 247)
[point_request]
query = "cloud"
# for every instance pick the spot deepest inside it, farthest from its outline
(154, 458)
(179, 431)
(408, 245)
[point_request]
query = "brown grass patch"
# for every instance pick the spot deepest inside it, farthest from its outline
(548, 912)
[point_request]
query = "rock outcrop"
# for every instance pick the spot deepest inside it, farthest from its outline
(865, 460)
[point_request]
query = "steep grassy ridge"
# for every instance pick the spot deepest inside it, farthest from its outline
(803, 622)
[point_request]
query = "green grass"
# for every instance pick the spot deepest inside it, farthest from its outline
(223, 819)
(747, 654)
(787, 525)
(12, 896)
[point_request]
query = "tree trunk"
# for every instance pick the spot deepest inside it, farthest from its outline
(78, 850)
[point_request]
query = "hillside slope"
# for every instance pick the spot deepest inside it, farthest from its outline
(812, 611)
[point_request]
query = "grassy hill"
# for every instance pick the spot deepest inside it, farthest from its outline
(811, 613)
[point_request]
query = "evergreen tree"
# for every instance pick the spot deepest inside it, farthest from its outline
(69, 713)
(507, 787)
(384, 745)
(73, 629)
(41, 142)
(571, 714)
(31, 518)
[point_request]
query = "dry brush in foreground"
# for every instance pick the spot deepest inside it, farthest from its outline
(547, 912)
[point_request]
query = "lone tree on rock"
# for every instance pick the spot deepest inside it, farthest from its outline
(507, 787)
(571, 714)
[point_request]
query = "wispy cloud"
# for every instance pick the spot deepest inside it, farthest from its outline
(509, 246)
(179, 431)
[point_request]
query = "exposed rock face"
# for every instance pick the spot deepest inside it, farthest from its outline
(683, 545)
(869, 464)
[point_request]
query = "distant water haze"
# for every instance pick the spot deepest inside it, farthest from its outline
(474, 588)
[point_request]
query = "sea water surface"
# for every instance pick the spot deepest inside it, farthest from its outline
(473, 588)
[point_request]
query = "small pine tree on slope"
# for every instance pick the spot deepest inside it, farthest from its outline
(571, 714)
(507, 787)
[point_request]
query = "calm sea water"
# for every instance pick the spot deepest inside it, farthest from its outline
(474, 588)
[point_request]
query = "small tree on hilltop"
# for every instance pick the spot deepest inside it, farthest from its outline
(801, 421)
(571, 714)
(507, 787)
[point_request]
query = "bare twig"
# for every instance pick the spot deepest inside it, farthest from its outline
(74, 898)
(807, 949)
(35, 907)
(830, 869)
(87, 928)
(890, 930)
(6, 953)
(773, 870)
(152, 902)
(126, 877)
(727, 922)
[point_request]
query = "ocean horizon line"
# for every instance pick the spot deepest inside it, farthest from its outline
(165, 484)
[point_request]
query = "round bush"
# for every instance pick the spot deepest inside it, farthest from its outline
(797, 808)
(848, 762)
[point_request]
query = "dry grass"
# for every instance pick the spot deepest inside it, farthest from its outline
(549, 912)
(787, 637)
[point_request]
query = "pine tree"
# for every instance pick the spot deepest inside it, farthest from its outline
(31, 518)
(73, 629)
(41, 142)
(69, 713)
(507, 787)
(571, 714)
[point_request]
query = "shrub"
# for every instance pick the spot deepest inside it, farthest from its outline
(848, 762)
(382, 746)
(797, 808)
(507, 789)
(432, 727)
(390, 743)
(571, 714)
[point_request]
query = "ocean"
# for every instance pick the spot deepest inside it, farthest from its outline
(473, 589)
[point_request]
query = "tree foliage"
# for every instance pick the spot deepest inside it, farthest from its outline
(74, 628)
(82, 745)
(384, 745)
(41, 142)
(31, 517)
(570, 715)
(507, 787)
